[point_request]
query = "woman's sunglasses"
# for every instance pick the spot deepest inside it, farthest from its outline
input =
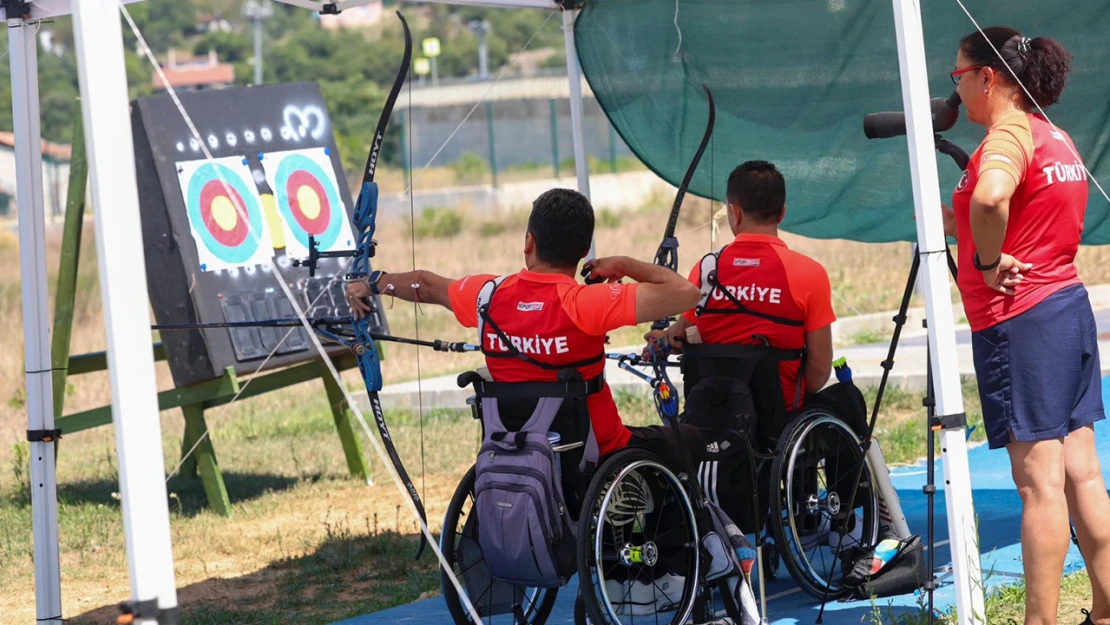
(956, 74)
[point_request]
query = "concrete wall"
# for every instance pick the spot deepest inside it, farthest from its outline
(521, 130)
(612, 191)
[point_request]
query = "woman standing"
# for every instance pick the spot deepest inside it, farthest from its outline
(1018, 216)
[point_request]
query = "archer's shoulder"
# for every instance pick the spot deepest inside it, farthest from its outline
(472, 283)
(799, 265)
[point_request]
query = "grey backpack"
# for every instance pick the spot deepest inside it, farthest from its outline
(524, 528)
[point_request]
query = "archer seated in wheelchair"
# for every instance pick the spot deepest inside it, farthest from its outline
(759, 342)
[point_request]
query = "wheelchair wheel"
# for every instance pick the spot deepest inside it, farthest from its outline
(638, 552)
(497, 602)
(812, 478)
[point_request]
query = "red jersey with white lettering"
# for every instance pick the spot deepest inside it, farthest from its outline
(554, 320)
(771, 279)
(1045, 220)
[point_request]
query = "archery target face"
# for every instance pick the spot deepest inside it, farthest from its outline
(225, 214)
(308, 198)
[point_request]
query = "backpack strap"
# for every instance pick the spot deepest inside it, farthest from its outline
(485, 297)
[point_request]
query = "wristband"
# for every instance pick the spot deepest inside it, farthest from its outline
(372, 281)
(982, 267)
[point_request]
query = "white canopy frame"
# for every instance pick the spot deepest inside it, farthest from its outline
(107, 127)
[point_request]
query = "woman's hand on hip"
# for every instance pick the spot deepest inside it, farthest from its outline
(949, 217)
(1009, 273)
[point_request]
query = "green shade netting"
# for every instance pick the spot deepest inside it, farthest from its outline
(792, 81)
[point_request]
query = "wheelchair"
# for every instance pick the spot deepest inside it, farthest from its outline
(791, 480)
(640, 527)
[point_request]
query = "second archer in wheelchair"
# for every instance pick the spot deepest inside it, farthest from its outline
(764, 317)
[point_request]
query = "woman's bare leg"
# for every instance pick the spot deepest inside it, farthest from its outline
(1038, 470)
(1089, 506)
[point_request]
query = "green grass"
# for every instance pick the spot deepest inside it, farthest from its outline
(1002, 604)
(868, 336)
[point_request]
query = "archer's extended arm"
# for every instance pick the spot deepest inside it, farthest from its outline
(419, 286)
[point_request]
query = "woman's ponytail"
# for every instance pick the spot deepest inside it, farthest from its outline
(1045, 71)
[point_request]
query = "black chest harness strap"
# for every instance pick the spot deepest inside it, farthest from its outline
(485, 296)
(710, 283)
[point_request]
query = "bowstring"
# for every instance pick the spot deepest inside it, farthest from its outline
(415, 306)
(1033, 100)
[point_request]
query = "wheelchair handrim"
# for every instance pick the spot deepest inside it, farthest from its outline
(796, 440)
(691, 521)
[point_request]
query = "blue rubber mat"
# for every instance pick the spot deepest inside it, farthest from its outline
(996, 503)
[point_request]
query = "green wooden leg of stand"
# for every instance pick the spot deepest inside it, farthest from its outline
(205, 455)
(356, 464)
(189, 465)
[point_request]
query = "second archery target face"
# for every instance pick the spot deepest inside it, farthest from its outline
(307, 195)
(225, 214)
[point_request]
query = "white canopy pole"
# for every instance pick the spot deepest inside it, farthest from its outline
(23, 53)
(123, 288)
(938, 307)
(574, 75)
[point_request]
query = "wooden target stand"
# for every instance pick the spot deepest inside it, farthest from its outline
(194, 399)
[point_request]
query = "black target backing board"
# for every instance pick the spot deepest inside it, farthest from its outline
(214, 230)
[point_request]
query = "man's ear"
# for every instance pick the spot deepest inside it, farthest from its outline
(529, 243)
(782, 216)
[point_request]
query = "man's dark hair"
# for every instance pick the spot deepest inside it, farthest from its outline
(759, 190)
(562, 224)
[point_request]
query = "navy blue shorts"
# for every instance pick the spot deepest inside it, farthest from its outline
(1039, 373)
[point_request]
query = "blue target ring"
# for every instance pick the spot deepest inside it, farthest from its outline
(226, 235)
(299, 177)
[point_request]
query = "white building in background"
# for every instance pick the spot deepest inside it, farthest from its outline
(55, 180)
(365, 16)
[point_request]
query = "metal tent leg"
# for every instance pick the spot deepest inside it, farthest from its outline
(23, 52)
(574, 75)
